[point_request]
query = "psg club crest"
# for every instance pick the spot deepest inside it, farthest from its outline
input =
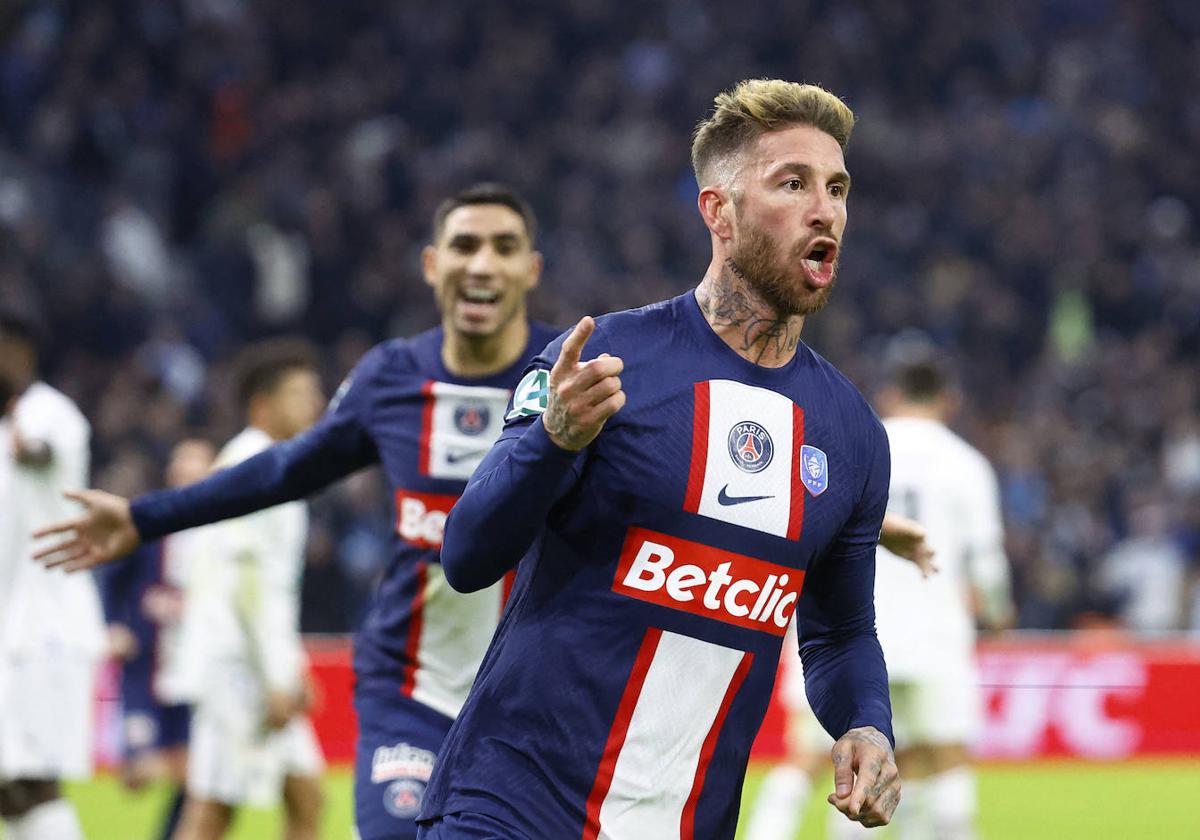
(750, 447)
(814, 469)
(471, 418)
(402, 799)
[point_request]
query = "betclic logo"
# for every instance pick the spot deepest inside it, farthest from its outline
(706, 581)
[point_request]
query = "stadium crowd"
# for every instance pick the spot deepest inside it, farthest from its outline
(178, 177)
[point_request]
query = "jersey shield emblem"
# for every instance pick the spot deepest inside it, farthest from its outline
(532, 394)
(814, 469)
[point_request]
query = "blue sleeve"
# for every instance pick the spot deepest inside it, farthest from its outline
(507, 501)
(844, 673)
(118, 581)
(336, 446)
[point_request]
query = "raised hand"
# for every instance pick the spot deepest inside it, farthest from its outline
(101, 534)
(583, 395)
(866, 781)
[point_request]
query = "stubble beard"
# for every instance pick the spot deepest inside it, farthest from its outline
(758, 262)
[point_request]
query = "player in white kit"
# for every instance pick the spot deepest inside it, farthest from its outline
(51, 627)
(251, 739)
(926, 623)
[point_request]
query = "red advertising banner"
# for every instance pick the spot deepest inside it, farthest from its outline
(1079, 695)
(1083, 695)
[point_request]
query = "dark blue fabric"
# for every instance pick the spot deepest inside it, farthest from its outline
(387, 794)
(526, 748)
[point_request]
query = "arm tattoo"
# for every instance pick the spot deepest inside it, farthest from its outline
(558, 422)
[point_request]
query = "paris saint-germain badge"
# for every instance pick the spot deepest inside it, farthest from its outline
(814, 469)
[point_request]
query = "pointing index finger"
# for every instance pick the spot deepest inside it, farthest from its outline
(568, 356)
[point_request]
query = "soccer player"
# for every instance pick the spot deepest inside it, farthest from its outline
(778, 809)
(251, 738)
(677, 481)
(143, 605)
(51, 628)
(428, 408)
(927, 625)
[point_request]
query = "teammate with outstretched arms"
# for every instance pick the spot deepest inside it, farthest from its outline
(677, 481)
(427, 409)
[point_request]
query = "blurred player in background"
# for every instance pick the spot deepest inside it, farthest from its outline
(143, 605)
(51, 627)
(671, 479)
(428, 409)
(926, 624)
(244, 661)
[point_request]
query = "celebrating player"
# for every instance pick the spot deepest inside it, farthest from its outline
(679, 480)
(51, 628)
(143, 605)
(428, 408)
(244, 662)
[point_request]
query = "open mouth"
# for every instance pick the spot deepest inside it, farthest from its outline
(818, 262)
(481, 296)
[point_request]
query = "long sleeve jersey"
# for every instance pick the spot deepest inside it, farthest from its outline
(658, 571)
(428, 429)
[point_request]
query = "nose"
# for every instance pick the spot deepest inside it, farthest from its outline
(821, 212)
(483, 262)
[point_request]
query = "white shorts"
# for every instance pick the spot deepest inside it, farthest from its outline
(46, 711)
(234, 759)
(940, 708)
(944, 708)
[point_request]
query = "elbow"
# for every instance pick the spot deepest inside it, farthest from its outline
(457, 567)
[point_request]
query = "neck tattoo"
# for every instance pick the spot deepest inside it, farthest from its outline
(728, 304)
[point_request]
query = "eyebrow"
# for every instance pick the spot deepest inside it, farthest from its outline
(503, 237)
(804, 169)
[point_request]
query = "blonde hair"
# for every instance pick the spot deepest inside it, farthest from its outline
(756, 106)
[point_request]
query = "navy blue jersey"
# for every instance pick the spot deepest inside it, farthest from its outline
(429, 429)
(660, 570)
(144, 593)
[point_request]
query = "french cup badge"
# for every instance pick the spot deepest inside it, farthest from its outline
(814, 469)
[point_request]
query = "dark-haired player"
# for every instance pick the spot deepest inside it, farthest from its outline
(428, 409)
(245, 668)
(51, 627)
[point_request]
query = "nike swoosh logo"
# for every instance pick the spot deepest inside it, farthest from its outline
(456, 455)
(725, 499)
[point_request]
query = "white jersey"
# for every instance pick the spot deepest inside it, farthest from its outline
(41, 609)
(242, 603)
(181, 553)
(926, 626)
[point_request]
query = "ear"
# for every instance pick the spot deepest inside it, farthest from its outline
(716, 208)
(429, 264)
(535, 270)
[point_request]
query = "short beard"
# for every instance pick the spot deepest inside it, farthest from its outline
(756, 261)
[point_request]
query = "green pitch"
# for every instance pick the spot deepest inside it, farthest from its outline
(1047, 801)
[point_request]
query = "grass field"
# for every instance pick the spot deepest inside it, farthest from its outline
(1045, 801)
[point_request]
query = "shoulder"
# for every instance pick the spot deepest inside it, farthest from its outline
(42, 404)
(849, 405)
(249, 441)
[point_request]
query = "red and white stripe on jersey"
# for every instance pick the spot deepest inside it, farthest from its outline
(459, 424)
(706, 581)
(663, 737)
(448, 633)
(772, 498)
